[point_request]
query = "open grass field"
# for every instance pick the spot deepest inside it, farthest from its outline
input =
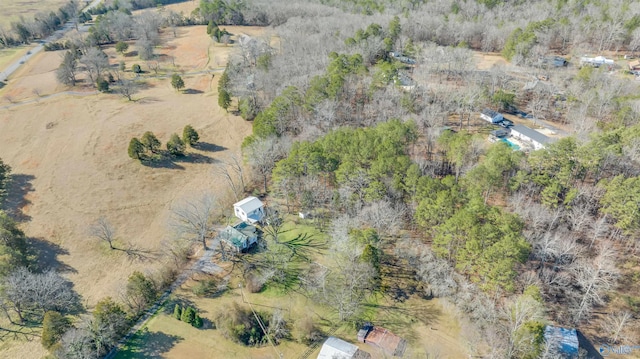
(12, 10)
(70, 163)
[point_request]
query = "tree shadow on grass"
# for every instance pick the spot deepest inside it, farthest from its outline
(46, 254)
(193, 158)
(19, 187)
(146, 344)
(192, 92)
(400, 319)
(165, 160)
(162, 163)
(208, 147)
(136, 254)
(148, 99)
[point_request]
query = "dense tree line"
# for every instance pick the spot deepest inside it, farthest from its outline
(514, 241)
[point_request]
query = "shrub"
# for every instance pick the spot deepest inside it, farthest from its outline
(141, 292)
(150, 141)
(177, 311)
(177, 82)
(121, 47)
(136, 149)
(189, 135)
(197, 322)
(188, 315)
(241, 326)
(109, 313)
(136, 68)
(175, 146)
(54, 326)
(102, 85)
(205, 287)
(247, 108)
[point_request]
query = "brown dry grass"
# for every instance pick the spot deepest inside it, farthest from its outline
(12, 10)
(487, 60)
(72, 154)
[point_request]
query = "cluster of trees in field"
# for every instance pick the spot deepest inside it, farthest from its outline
(514, 241)
(148, 146)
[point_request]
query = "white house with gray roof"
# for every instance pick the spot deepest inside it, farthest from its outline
(250, 210)
(529, 135)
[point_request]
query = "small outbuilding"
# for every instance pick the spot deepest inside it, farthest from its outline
(491, 116)
(526, 134)
(250, 210)
(240, 237)
(334, 348)
(500, 133)
(562, 341)
(634, 65)
(596, 61)
(383, 339)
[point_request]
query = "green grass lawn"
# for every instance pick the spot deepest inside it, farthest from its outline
(413, 319)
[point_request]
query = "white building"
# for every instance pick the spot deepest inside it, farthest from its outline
(529, 135)
(334, 348)
(596, 61)
(249, 210)
(491, 116)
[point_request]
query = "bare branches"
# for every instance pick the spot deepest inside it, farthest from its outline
(594, 278)
(35, 293)
(103, 230)
(192, 219)
(231, 170)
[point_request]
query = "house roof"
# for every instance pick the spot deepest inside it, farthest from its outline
(531, 133)
(238, 234)
(338, 349)
(501, 132)
(564, 340)
(386, 340)
(490, 113)
(249, 204)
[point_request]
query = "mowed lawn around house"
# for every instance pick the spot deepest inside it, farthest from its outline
(431, 327)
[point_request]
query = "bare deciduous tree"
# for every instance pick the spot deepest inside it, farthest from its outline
(263, 153)
(615, 326)
(192, 219)
(230, 168)
(127, 88)
(36, 293)
(103, 230)
(594, 277)
(95, 62)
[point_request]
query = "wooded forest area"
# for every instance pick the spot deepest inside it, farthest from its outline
(386, 154)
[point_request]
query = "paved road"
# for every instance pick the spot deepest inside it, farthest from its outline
(68, 26)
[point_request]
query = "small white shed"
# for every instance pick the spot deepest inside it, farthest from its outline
(250, 209)
(334, 348)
